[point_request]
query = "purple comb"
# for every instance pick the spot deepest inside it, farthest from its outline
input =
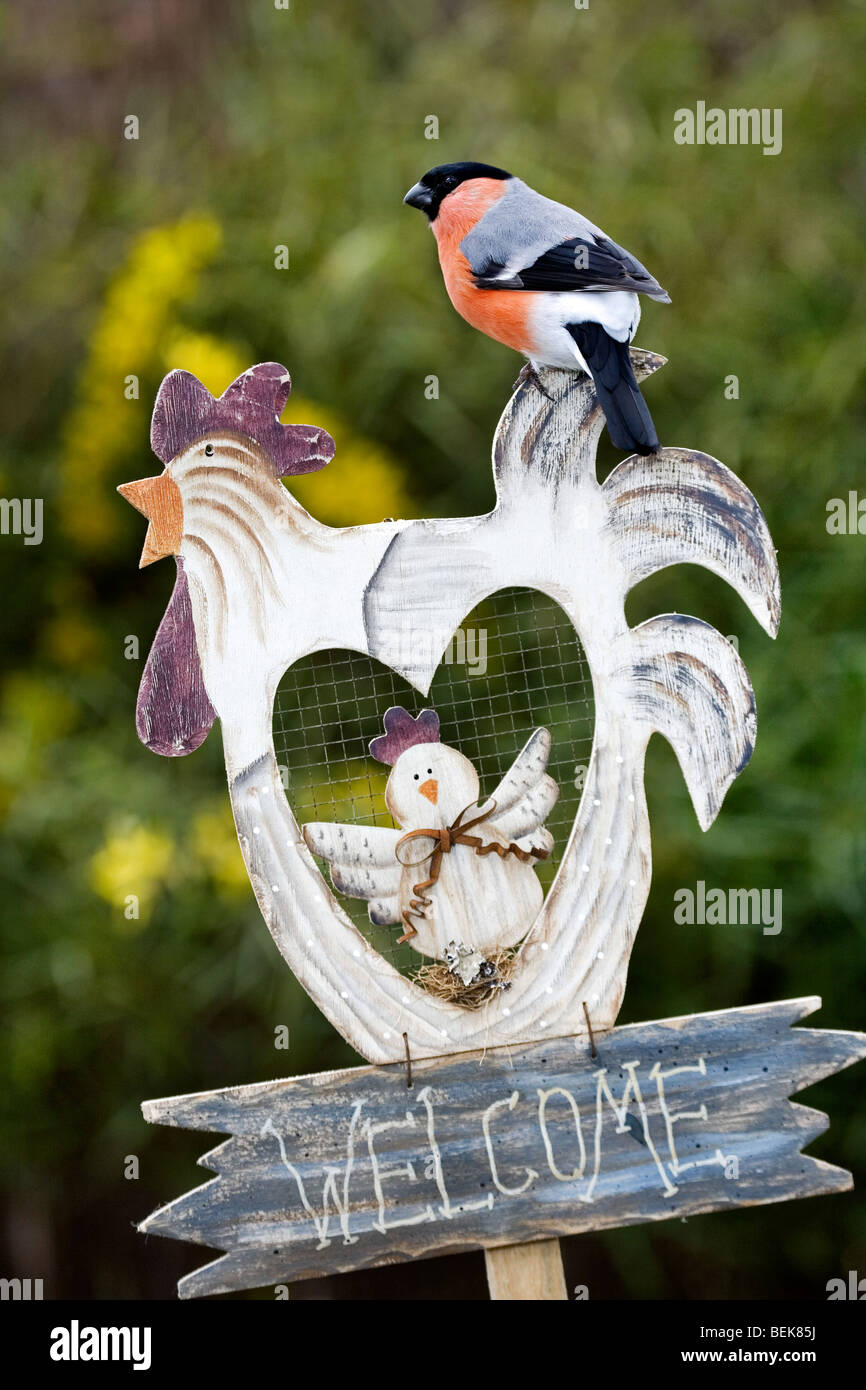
(402, 732)
(185, 410)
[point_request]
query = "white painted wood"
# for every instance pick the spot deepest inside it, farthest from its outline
(278, 586)
(268, 583)
(485, 901)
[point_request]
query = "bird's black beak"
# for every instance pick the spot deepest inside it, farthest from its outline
(420, 197)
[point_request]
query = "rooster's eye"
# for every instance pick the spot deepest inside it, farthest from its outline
(208, 448)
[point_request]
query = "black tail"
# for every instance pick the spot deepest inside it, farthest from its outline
(628, 419)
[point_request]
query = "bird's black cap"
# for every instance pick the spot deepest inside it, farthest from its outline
(437, 183)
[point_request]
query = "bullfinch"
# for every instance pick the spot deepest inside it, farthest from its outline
(541, 278)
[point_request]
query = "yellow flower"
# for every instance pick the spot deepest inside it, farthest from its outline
(161, 273)
(362, 483)
(134, 863)
(215, 363)
(215, 844)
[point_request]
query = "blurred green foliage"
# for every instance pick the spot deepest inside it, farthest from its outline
(262, 127)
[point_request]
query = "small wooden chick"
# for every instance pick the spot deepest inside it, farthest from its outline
(458, 875)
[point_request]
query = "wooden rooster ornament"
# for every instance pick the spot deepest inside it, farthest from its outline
(261, 584)
(478, 893)
(511, 1117)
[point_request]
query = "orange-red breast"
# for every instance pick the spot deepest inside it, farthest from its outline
(541, 278)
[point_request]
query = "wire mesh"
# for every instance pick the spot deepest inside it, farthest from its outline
(515, 663)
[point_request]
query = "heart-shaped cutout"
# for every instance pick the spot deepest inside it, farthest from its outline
(515, 665)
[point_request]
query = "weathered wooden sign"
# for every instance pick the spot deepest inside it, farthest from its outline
(351, 1169)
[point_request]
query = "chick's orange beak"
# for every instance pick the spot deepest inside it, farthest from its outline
(430, 789)
(160, 501)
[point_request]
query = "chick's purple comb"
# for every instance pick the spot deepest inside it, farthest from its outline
(185, 410)
(402, 732)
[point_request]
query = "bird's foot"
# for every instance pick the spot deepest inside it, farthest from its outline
(407, 935)
(529, 374)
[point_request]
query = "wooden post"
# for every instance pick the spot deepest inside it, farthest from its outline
(526, 1273)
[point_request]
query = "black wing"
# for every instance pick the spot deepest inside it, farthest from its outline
(577, 264)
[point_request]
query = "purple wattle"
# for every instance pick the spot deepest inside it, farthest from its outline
(173, 714)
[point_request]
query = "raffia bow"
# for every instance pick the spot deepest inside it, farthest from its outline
(445, 838)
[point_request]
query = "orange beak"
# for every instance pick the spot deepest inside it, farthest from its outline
(430, 789)
(160, 501)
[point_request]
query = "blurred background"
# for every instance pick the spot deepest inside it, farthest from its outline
(123, 257)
